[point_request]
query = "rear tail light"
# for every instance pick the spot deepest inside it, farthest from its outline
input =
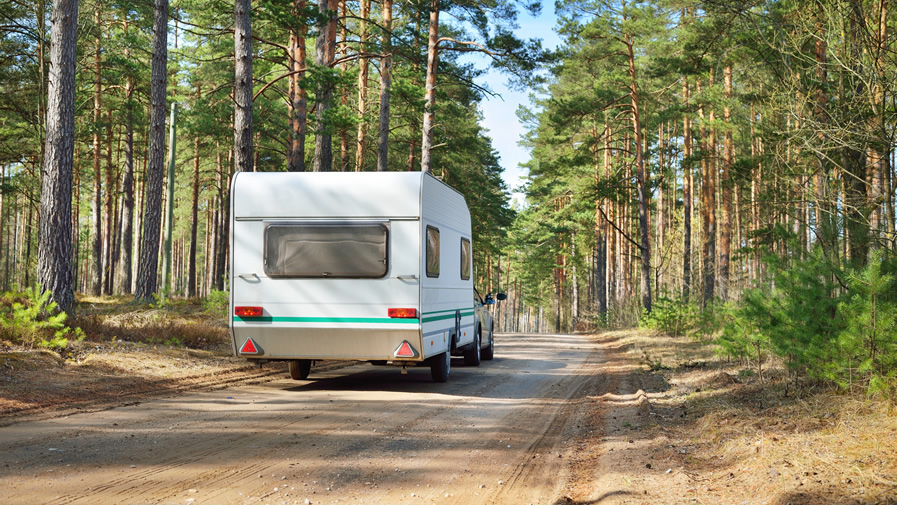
(403, 313)
(248, 311)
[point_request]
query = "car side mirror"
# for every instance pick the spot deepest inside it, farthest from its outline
(501, 297)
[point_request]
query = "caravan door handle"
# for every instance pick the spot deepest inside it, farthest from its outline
(409, 277)
(248, 276)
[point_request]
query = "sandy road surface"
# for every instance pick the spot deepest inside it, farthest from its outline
(493, 434)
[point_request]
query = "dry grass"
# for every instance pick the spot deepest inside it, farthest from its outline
(181, 323)
(783, 440)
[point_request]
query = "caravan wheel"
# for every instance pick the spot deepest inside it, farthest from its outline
(440, 366)
(300, 368)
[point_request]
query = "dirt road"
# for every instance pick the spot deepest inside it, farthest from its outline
(499, 433)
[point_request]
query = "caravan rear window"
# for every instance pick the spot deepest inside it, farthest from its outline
(347, 250)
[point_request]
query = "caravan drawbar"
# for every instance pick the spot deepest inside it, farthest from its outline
(369, 266)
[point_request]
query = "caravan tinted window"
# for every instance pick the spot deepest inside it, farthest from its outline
(465, 259)
(432, 252)
(353, 250)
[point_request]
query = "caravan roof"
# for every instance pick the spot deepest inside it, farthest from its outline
(331, 194)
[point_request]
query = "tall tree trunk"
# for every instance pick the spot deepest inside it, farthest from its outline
(661, 209)
(687, 170)
(243, 149)
(298, 102)
(169, 203)
(426, 161)
(54, 260)
(96, 285)
(385, 84)
(875, 158)
(109, 212)
(224, 220)
(324, 52)
(148, 266)
(344, 91)
(708, 203)
(362, 84)
(827, 233)
(725, 235)
(127, 188)
(194, 217)
(756, 178)
(642, 183)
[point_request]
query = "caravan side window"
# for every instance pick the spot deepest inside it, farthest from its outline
(347, 250)
(465, 259)
(432, 252)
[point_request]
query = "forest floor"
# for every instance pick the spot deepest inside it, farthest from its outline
(680, 425)
(662, 420)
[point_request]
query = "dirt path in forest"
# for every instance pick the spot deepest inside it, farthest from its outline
(553, 419)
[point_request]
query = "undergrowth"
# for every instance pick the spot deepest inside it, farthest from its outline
(828, 323)
(30, 318)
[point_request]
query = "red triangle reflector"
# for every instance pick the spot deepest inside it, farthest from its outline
(249, 347)
(405, 351)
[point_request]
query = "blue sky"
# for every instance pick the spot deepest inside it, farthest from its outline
(500, 112)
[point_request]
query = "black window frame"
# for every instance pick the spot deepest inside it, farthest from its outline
(384, 225)
(468, 263)
(438, 251)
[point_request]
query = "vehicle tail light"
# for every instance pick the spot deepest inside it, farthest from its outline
(403, 313)
(405, 351)
(248, 311)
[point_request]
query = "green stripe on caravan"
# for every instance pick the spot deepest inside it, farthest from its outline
(372, 320)
(428, 318)
(445, 314)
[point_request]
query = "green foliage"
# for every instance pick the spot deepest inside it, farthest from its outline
(674, 317)
(827, 324)
(31, 318)
(217, 303)
(867, 344)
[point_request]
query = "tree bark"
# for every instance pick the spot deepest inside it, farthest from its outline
(298, 101)
(426, 161)
(725, 235)
(385, 84)
(324, 52)
(194, 217)
(708, 206)
(243, 149)
(54, 263)
(344, 91)
(127, 206)
(148, 266)
(362, 85)
(96, 285)
(641, 184)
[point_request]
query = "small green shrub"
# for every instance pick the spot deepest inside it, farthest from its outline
(217, 303)
(31, 318)
(674, 317)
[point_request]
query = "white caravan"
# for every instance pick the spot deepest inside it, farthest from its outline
(368, 266)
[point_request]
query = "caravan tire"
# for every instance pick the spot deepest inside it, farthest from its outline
(440, 366)
(300, 368)
(489, 351)
(472, 355)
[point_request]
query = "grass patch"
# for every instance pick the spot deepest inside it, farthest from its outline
(180, 323)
